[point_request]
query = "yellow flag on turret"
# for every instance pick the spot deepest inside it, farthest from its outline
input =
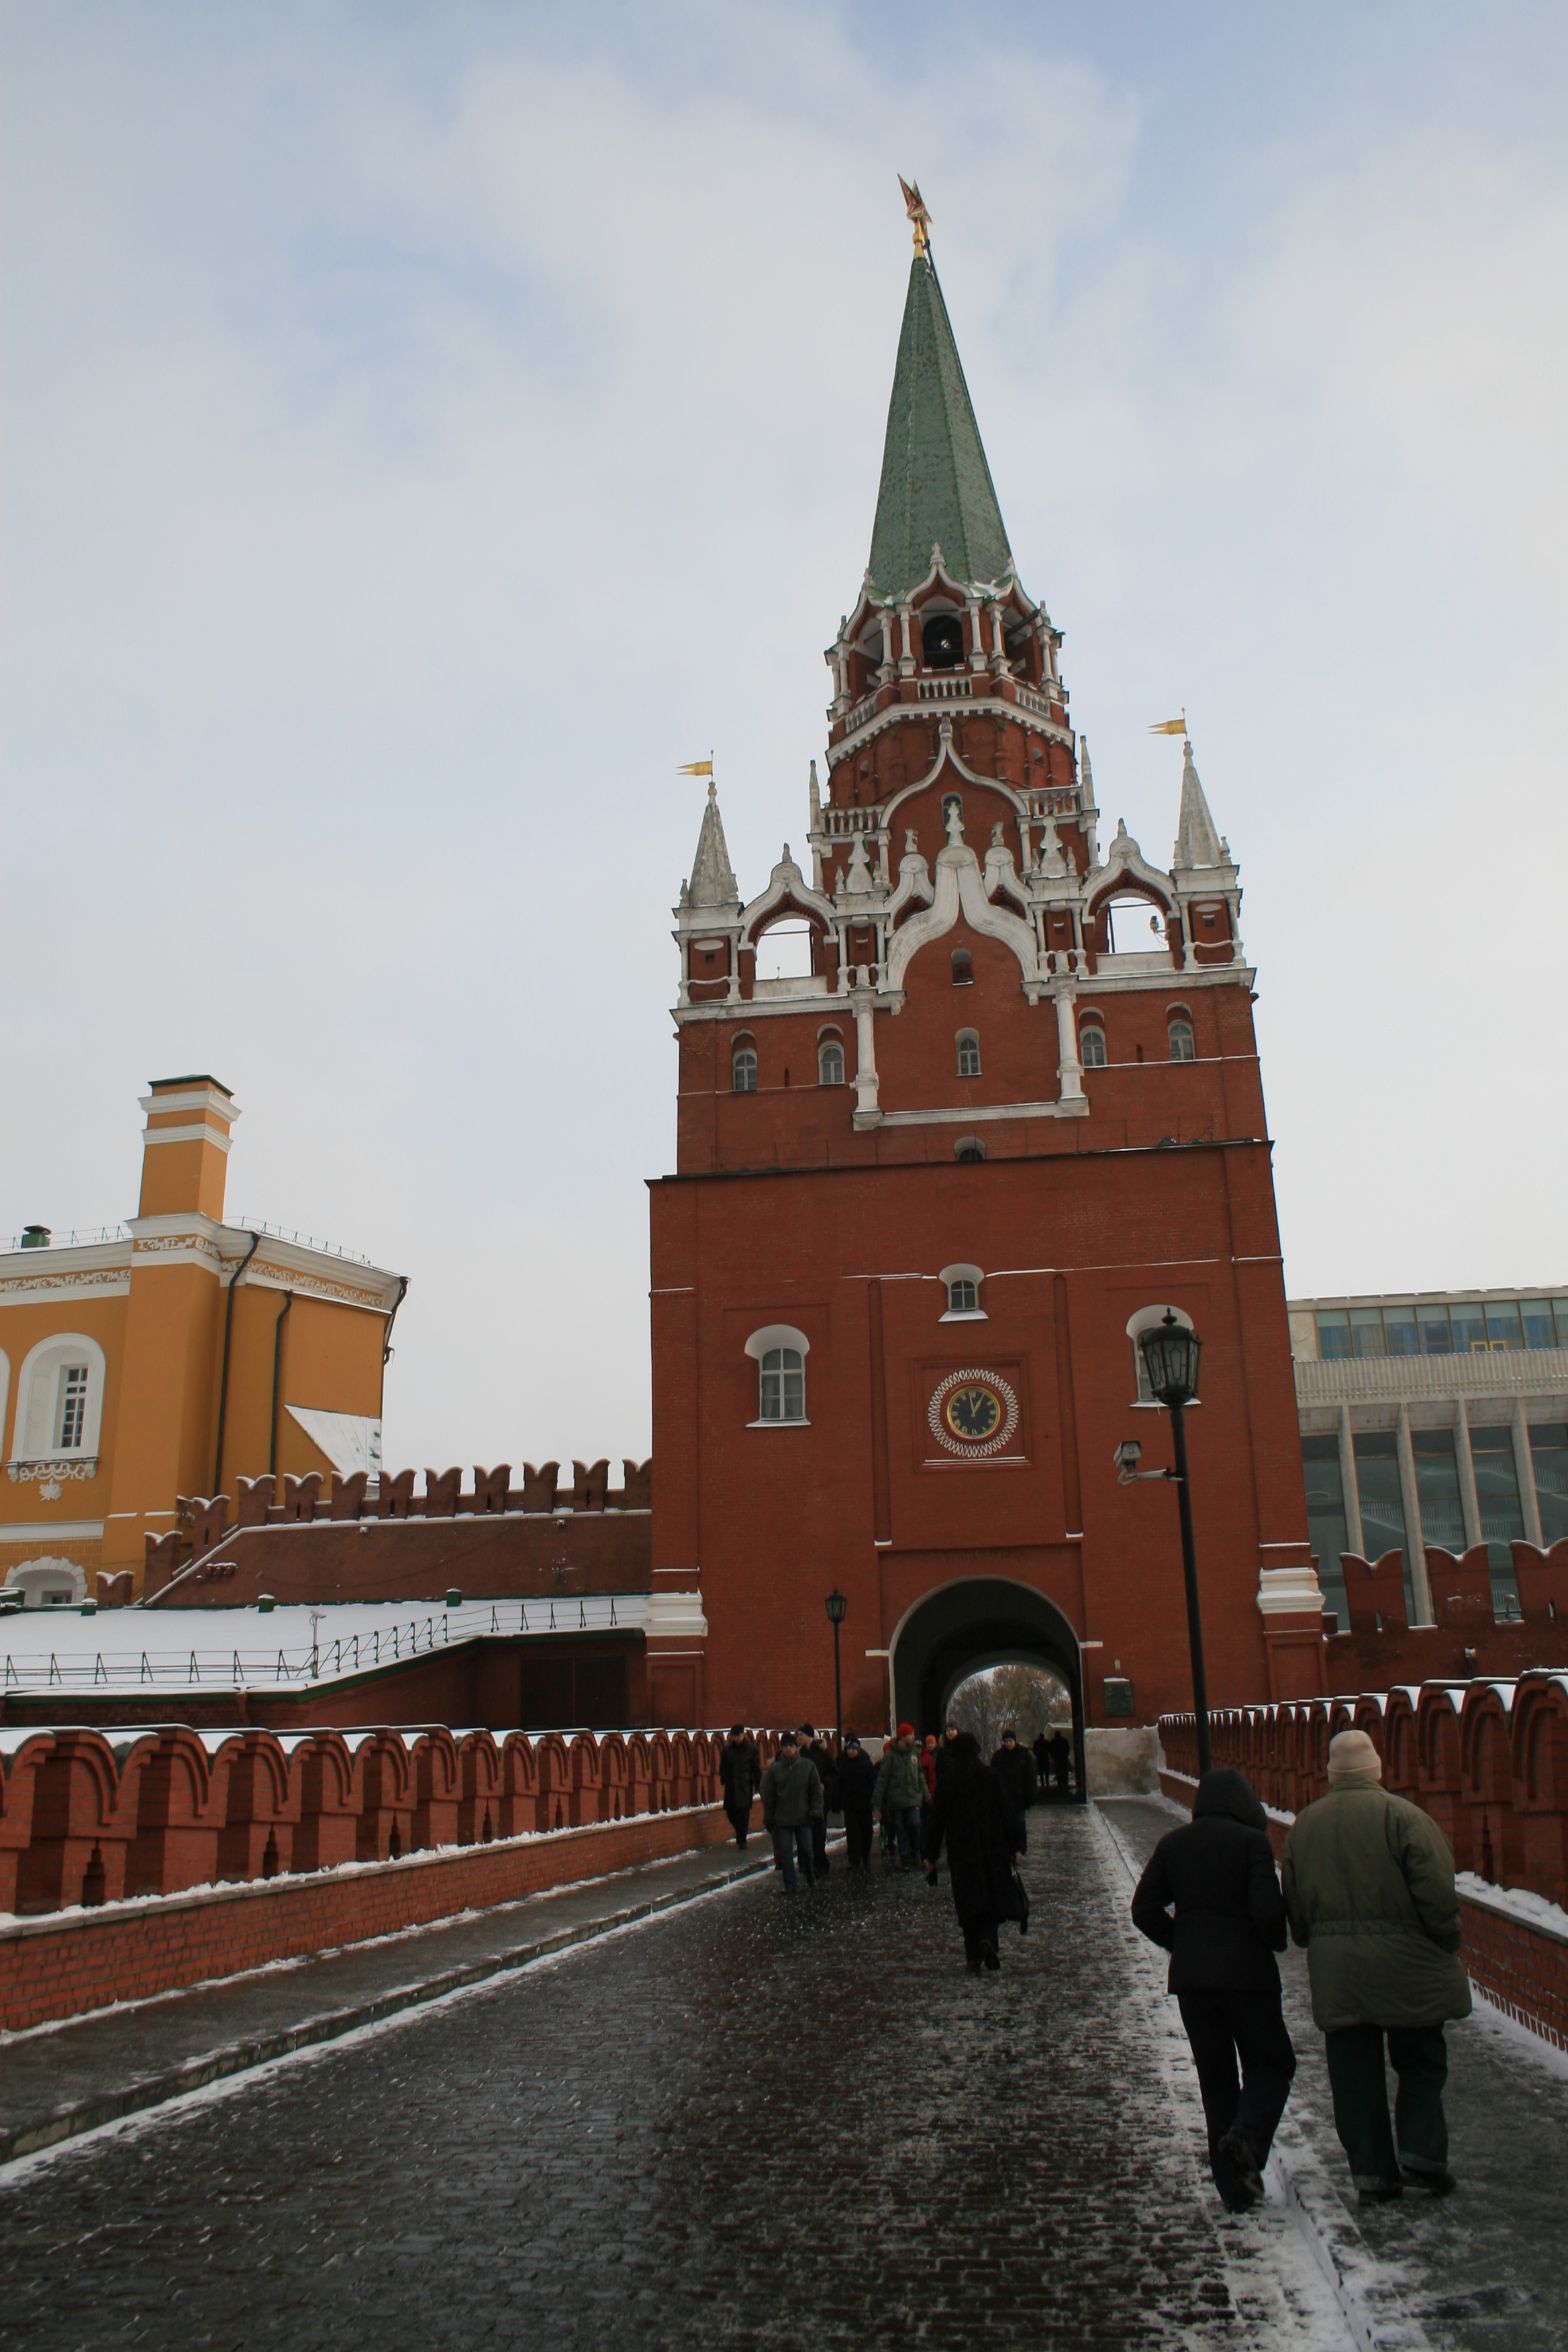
(698, 768)
(1171, 725)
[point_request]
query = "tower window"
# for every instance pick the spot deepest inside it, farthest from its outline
(1092, 1045)
(830, 1065)
(963, 1297)
(968, 1054)
(782, 1387)
(969, 1148)
(941, 641)
(962, 968)
(73, 1406)
(1182, 1046)
(743, 1070)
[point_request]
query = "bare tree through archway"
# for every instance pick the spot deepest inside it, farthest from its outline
(1031, 1698)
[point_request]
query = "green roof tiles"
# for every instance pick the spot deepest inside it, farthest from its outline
(936, 485)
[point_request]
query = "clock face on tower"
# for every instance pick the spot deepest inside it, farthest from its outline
(974, 1412)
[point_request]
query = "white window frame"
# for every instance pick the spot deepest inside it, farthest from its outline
(968, 1037)
(38, 1400)
(971, 1274)
(829, 1045)
(745, 1047)
(774, 1338)
(1143, 1398)
(1178, 1017)
(1086, 1030)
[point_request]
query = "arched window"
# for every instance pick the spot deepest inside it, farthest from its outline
(744, 1067)
(962, 968)
(969, 1147)
(59, 1400)
(1181, 1032)
(961, 1284)
(1145, 1320)
(968, 1054)
(830, 1063)
(780, 1353)
(1092, 1045)
(941, 641)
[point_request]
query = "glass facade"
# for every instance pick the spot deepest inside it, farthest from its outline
(1427, 1330)
(1502, 1520)
(1327, 1527)
(1381, 1503)
(1437, 1488)
(1549, 1452)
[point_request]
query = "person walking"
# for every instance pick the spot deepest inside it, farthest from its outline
(1015, 1767)
(792, 1799)
(1042, 1752)
(928, 1764)
(822, 1757)
(944, 1752)
(857, 1784)
(899, 1792)
(1218, 1873)
(972, 1813)
(740, 1775)
(1369, 1888)
(1061, 1756)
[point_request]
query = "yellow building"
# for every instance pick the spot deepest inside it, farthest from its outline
(168, 1359)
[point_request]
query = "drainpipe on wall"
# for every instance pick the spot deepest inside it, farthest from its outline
(223, 1380)
(276, 1364)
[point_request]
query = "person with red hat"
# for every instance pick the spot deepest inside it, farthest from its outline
(901, 1792)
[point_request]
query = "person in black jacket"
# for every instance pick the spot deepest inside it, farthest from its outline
(812, 1744)
(982, 1831)
(740, 1775)
(857, 1779)
(1218, 1873)
(1015, 1767)
(1043, 1766)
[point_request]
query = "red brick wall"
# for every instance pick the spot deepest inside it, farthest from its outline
(55, 1967)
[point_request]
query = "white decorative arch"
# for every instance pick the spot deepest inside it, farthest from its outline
(1127, 873)
(36, 1435)
(959, 887)
(776, 1335)
(1145, 1320)
(788, 893)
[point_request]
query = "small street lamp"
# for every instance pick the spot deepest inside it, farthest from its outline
(837, 1608)
(1170, 1352)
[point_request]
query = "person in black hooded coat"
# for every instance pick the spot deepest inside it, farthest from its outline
(971, 1811)
(1218, 1873)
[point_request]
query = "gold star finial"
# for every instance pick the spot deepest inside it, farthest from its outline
(914, 204)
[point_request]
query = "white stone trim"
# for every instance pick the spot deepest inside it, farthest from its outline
(1071, 1109)
(674, 1616)
(52, 1532)
(1288, 1591)
(203, 1134)
(46, 1357)
(777, 1335)
(203, 1098)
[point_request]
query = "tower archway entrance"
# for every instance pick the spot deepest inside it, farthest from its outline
(978, 1622)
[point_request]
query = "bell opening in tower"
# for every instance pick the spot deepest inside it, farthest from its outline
(941, 641)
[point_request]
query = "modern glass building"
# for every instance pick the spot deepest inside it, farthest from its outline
(1433, 1417)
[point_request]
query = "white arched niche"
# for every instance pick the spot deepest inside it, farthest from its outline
(59, 1397)
(1145, 1320)
(967, 1279)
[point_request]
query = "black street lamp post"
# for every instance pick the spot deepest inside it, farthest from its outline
(836, 1607)
(1170, 1352)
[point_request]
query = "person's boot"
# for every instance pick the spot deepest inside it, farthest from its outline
(1246, 2170)
(1437, 2183)
(992, 1957)
(1384, 2195)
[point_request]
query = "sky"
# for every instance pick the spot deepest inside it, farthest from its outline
(422, 430)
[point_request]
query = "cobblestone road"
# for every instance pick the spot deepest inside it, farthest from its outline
(756, 2122)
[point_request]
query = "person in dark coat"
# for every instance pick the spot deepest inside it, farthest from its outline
(822, 1756)
(740, 1775)
(857, 1779)
(1015, 1767)
(971, 1811)
(1219, 1874)
(792, 1799)
(943, 1764)
(1061, 1758)
(1043, 1765)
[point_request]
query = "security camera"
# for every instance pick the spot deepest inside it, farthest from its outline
(1128, 1455)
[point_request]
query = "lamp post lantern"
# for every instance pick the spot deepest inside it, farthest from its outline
(1170, 1352)
(836, 1607)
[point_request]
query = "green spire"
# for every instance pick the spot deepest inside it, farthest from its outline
(936, 485)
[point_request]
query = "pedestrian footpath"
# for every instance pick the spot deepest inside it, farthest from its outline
(1481, 2271)
(60, 2081)
(759, 2121)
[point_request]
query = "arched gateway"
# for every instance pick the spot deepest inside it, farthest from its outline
(976, 1621)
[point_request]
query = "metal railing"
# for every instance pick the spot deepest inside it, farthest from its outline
(79, 1237)
(306, 1241)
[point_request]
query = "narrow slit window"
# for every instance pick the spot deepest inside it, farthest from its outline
(73, 1406)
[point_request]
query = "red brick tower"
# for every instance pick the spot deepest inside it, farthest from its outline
(929, 1189)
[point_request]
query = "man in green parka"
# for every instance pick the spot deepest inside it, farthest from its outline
(1369, 1889)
